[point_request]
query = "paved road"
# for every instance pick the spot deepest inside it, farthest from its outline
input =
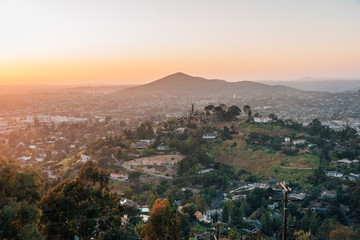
(200, 235)
(219, 199)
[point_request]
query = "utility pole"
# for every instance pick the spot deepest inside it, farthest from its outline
(217, 231)
(287, 189)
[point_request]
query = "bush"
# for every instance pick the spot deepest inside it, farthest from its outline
(290, 151)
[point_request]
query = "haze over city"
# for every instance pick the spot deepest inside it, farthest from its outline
(180, 120)
(135, 42)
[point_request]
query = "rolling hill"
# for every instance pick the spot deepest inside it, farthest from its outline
(180, 83)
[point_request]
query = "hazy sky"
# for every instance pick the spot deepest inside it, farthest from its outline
(115, 41)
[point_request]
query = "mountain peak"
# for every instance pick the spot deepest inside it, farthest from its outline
(180, 82)
(178, 74)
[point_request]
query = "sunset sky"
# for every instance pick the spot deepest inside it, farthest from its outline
(131, 42)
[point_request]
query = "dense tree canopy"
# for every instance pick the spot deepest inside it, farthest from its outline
(20, 192)
(163, 223)
(82, 207)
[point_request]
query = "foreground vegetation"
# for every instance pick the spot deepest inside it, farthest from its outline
(83, 202)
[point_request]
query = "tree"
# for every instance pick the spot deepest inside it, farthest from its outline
(254, 197)
(318, 176)
(82, 207)
(134, 175)
(215, 217)
(184, 228)
(163, 222)
(219, 112)
(343, 233)
(236, 215)
(258, 235)
(190, 208)
(209, 108)
(354, 200)
(348, 133)
(316, 128)
(225, 213)
(233, 235)
(232, 112)
(273, 116)
(266, 224)
(301, 235)
(201, 204)
(144, 132)
(247, 111)
(225, 133)
(19, 196)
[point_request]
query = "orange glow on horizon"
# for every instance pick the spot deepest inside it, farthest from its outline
(143, 70)
(91, 42)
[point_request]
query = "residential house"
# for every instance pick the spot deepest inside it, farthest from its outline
(238, 197)
(209, 135)
(143, 208)
(297, 196)
(120, 177)
(85, 158)
(179, 130)
(262, 119)
(354, 177)
(128, 202)
(162, 148)
(205, 171)
(344, 162)
(327, 194)
(200, 217)
(333, 174)
(299, 142)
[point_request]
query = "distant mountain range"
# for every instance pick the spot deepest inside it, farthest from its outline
(320, 84)
(180, 83)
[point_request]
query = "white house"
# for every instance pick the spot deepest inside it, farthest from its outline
(162, 148)
(287, 139)
(25, 158)
(209, 136)
(262, 119)
(333, 174)
(299, 142)
(143, 208)
(179, 130)
(84, 158)
(354, 177)
(205, 171)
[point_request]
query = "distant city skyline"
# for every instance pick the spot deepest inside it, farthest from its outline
(135, 42)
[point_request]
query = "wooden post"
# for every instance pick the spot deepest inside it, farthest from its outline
(287, 189)
(285, 215)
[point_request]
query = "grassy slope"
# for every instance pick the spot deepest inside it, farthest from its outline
(259, 159)
(66, 167)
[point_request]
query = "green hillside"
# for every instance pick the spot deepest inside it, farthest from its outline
(261, 158)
